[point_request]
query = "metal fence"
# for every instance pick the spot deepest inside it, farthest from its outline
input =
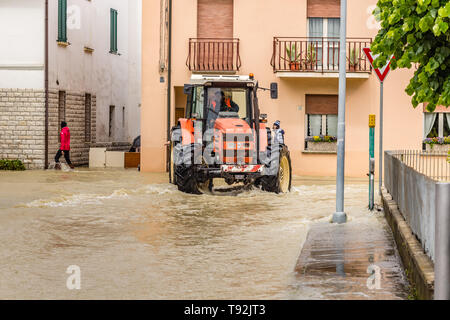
(419, 182)
(433, 164)
(213, 54)
(318, 54)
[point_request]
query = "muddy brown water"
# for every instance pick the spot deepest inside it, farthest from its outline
(134, 236)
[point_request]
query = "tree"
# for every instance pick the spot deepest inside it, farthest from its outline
(417, 33)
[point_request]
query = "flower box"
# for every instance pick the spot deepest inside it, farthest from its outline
(441, 148)
(322, 146)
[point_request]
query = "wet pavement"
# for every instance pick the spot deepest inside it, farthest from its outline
(351, 261)
(134, 236)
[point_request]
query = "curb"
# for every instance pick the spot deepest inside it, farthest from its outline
(419, 268)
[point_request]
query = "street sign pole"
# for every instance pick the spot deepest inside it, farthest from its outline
(381, 74)
(381, 138)
(340, 216)
(371, 161)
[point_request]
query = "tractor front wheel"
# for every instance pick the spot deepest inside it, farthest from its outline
(186, 180)
(282, 181)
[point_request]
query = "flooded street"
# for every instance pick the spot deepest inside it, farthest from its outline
(134, 236)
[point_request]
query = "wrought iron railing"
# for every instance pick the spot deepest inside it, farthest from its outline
(318, 54)
(213, 54)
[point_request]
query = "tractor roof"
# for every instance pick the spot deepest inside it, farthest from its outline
(206, 79)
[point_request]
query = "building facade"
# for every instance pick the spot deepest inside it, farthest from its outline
(92, 79)
(290, 42)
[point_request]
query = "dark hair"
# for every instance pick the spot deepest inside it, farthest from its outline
(63, 124)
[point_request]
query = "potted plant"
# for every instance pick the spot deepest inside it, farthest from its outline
(353, 60)
(294, 57)
(438, 144)
(322, 143)
(311, 57)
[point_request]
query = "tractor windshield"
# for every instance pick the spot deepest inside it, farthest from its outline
(226, 103)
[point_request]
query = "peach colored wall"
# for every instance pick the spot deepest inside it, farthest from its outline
(255, 24)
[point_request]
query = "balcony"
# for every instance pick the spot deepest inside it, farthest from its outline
(213, 55)
(310, 57)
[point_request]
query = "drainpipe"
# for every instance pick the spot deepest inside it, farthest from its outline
(169, 82)
(46, 84)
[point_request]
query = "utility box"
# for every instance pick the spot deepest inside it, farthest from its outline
(97, 158)
(115, 159)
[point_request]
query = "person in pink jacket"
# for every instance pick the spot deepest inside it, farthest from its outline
(65, 147)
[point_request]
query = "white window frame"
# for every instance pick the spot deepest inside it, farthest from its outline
(324, 35)
(440, 119)
(324, 128)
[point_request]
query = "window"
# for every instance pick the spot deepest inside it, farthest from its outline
(111, 120)
(62, 20)
(322, 124)
(198, 102)
(436, 124)
(123, 117)
(113, 32)
(325, 32)
(321, 115)
(231, 100)
(87, 117)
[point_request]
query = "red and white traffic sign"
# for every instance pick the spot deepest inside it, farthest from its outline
(381, 72)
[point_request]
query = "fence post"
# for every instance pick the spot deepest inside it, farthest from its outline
(442, 243)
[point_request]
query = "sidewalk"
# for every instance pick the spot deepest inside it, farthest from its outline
(337, 261)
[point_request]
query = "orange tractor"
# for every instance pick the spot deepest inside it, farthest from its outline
(224, 136)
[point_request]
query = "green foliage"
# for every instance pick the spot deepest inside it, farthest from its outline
(310, 54)
(417, 33)
(12, 165)
(353, 58)
(293, 52)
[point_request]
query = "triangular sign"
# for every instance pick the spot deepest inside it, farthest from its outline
(381, 72)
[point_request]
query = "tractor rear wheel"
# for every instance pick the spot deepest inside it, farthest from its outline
(282, 181)
(186, 180)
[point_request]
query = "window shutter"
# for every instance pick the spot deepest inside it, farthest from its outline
(322, 104)
(62, 20)
(324, 8)
(215, 19)
(113, 31)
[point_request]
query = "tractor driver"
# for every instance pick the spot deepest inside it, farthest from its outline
(221, 102)
(228, 105)
(214, 109)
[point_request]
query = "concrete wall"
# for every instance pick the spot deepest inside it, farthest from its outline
(415, 195)
(255, 24)
(113, 78)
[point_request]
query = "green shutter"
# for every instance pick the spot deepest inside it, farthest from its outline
(62, 20)
(113, 31)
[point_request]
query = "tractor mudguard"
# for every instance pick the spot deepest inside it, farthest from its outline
(262, 138)
(187, 131)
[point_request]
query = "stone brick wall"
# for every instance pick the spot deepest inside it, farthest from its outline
(22, 126)
(75, 118)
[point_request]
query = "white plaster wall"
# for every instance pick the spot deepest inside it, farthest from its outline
(101, 73)
(22, 45)
(133, 121)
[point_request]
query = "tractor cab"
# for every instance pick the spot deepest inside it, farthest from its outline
(223, 135)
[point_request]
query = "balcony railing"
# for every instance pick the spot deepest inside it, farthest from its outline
(318, 54)
(213, 55)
